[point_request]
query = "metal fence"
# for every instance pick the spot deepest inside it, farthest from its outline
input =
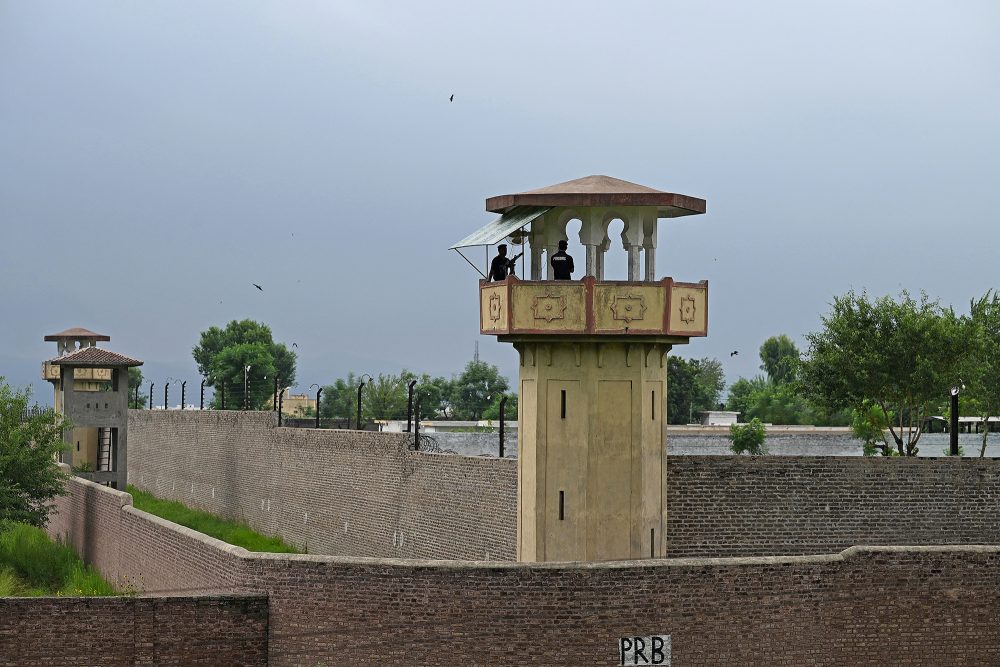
(232, 397)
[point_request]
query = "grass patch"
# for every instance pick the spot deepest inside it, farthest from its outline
(236, 533)
(31, 565)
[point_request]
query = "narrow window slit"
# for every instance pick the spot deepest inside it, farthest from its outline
(652, 406)
(563, 402)
(652, 543)
(562, 506)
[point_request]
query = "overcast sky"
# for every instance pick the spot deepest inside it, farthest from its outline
(158, 157)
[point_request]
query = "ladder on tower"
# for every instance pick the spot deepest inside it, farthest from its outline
(103, 449)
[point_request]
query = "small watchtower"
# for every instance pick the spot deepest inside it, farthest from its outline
(593, 377)
(91, 390)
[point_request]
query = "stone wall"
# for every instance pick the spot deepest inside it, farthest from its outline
(126, 631)
(336, 492)
(867, 605)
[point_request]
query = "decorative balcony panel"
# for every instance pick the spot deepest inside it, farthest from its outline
(51, 372)
(588, 307)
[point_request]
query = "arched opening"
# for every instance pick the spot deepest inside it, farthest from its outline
(575, 249)
(615, 258)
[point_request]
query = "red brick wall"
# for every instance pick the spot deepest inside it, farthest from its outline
(869, 605)
(124, 631)
(345, 493)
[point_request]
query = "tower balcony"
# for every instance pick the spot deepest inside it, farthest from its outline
(592, 308)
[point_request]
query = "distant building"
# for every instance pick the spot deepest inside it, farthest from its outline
(718, 417)
(298, 405)
(91, 390)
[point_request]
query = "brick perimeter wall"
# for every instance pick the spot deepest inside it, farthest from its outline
(742, 506)
(336, 492)
(366, 494)
(868, 605)
(125, 631)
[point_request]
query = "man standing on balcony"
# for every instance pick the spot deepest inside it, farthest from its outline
(501, 266)
(562, 264)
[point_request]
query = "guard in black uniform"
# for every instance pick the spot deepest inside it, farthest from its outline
(501, 266)
(562, 264)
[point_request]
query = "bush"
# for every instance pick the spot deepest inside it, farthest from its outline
(29, 444)
(748, 438)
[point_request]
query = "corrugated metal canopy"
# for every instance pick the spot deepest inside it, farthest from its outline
(502, 227)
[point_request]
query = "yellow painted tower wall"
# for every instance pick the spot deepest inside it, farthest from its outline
(591, 482)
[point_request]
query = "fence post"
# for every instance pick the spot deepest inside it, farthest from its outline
(358, 422)
(246, 388)
(166, 392)
(275, 392)
(223, 393)
(183, 393)
(319, 392)
(151, 385)
(281, 405)
(416, 429)
(202, 404)
(503, 405)
(136, 401)
(409, 405)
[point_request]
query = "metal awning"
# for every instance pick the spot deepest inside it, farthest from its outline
(502, 227)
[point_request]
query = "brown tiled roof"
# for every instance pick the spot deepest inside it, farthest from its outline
(600, 191)
(75, 333)
(96, 357)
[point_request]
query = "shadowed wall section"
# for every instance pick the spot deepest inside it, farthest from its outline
(344, 493)
(358, 493)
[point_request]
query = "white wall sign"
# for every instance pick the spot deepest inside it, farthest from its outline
(652, 650)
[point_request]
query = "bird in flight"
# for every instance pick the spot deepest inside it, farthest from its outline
(452, 98)
(295, 344)
(257, 286)
(734, 353)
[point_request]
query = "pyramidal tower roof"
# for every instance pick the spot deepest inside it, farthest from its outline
(600, 191)
(76, 333)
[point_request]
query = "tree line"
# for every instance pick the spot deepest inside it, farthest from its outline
(223, 356)
(880, 365)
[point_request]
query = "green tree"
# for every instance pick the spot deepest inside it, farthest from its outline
(475, 389)
(135, 380)
(510, 408)
(748, 438)
(779, 359)
(743, 393)
(902, 356)
(432, 393)
(983, 370)
(29, 444)
(868, 425)
(384, 398)
(339, 400)
(222, 356)
(693, 385)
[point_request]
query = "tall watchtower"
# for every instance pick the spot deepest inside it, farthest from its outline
(592, 385)
(91, 390)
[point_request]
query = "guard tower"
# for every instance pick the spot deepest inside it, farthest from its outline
(91, 390)
(592, 394)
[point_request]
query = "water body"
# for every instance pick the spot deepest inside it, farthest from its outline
(693, 443)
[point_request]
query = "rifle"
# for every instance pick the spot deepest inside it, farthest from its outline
(511, 261)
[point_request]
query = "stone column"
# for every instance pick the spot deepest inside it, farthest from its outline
(649, 245)
(591, 236)
(632, 241)
(599, 264)
(537, 241)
